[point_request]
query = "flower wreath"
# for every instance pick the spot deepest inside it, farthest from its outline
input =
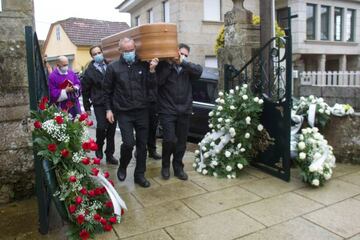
(315, 157)
(235, 128)
(92, 204)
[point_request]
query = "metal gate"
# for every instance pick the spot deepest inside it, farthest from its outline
(269, 75)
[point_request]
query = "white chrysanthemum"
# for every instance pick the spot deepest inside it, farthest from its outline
(315, 129)
(248, 120)
(199, 170)
(320, 100)
(228, 168)
(311, 97)
(206, 155)
(211, 114)
(215, 174)
(244, 86)
(220, 120)
(327, 111)
(321, 110)
(301, 137)
(228, 120)
(237, 88)
(221, 94)
(302, 155)
(212, 144)
(260, 127)
(194, 165)
(218, 126)
(220, 108)
(240, 166)
(239, 145)
(245, 97)
(301, 145)
(228, 176)
(204, 171)
(327, 176)
(317, 155)
(231, 91)
(215, 163)
(227, 154)
(211, 125)
(222, 101)
(261, 101)
(217, 151)
(315, 182)
(242, 150)
(232, 132)
(232, 107)
(256, 99)
(204, 148)
(197, 152)
(197, 160)
(217, 100)
(304, 131)
(247, 135)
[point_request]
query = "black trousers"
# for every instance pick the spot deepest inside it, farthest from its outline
(175, 132)
(104, 130)
(128, 122)
(153, 124)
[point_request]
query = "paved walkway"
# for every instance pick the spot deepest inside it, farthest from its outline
(254, 206)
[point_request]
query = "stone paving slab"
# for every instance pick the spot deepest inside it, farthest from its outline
(352, 178)
(341, 218)
(212, 183)
(270, 187)
(225, 226)
(221, 200)
(168, 192)
(332, 192)
(343, 169)
(153, 218)
(107, 236)
(357, 197)
(256, 172)
(298, 228)
(278, 209)
(131, 202)
(357, 237)
(155, 235)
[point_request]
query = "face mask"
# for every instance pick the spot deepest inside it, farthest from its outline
(64, 69)
(129, 56)
(99, 58)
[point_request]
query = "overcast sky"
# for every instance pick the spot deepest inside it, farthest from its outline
(49, 11)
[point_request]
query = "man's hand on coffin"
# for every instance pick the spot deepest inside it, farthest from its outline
(153, 63)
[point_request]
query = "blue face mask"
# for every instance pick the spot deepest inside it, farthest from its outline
(99, 58)
(129, 56)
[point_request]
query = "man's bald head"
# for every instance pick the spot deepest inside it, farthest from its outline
(62, 61)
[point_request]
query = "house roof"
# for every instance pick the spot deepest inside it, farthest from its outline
(87, 32)
(127, 5)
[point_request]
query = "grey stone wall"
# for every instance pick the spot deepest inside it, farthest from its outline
(16, 160)
(332, 95)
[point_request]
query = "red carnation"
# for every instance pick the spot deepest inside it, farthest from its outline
(59, 119)
(72, 208)
(80, 219)
(93, 146)
(107, 227)
(84, 235)
(65, 153)
(89, 123)
(92, 193)
(37, 124)
(109, 204)
(111, 181)
(98, 191)
(106, 174)
(122, 211)
(78, 200)
(96, 160)
(72, 179)
(42, 106)
(103, 190)
(95, 171)
(103, 221)
(69, 104)
(85, 161)
(45, 100)
(83, 116)
(52, 147)
(83, 191)
(86, 146)
(97, 217)
(112, 220)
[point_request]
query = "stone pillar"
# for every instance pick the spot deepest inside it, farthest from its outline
(241, 39)
(16, 158)
(321, 63)
(318, 22)
(344, 23)
(331, 23)
(342, 63)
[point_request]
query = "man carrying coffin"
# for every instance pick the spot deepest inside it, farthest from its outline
(64, 87)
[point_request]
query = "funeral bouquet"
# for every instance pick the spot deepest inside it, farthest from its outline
(87, 195)
(235, 133)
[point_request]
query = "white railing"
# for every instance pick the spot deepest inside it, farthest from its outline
(336, 79)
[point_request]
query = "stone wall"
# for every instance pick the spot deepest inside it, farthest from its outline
(332, 95)
(16, 161)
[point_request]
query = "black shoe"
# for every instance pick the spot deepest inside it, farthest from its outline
(181, 175)
(121, 174)
(111, 160)
(142, 181)
(165, 173)
(154, 155)
(99, 154)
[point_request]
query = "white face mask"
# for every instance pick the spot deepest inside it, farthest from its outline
(64, 69)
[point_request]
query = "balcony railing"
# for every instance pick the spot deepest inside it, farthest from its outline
(334, 79)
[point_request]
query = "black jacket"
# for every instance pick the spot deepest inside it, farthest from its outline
(175, 89)
(92, 87)
(126, 86)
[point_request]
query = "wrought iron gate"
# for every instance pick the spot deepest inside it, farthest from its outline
(269, 74)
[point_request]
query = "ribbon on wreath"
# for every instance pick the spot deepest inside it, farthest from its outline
(217, 148)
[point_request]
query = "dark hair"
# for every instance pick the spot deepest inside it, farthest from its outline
(95, 46)
(183, 45)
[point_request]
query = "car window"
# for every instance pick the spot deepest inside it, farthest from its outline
(204, 91)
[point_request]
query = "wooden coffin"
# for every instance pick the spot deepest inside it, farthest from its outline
(157, 40)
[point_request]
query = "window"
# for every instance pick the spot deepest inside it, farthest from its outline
(325, 20)
(211, 62)
(166, 11)
(212, 10)
(150, 16)
(338, 18)
(58, 32)
(350, 25)
(0, 5)
(310, 21)
(137, 21)
(281, 17)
